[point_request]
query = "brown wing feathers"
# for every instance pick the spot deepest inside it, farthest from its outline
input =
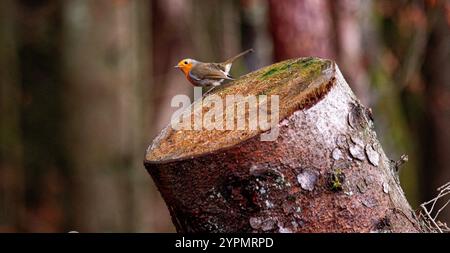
(208, 71)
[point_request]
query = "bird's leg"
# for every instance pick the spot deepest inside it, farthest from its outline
(208, 91)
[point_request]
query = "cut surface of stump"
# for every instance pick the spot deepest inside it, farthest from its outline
(310, 79)
(325, 172)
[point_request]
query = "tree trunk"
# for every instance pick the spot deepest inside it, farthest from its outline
(436, 139)
(170, 19)
(349, 17)
(105, 91)
(301, 28)
(326, 171)
(12, 181)
(38, 36)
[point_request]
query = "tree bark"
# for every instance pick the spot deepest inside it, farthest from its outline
(105, 92)
(170, 21)
(349, 17)
(301, 28)
(326, 171)
(12, 176)
(38, 38)
(436, 139)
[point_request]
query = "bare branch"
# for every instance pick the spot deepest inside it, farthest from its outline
(431, 223)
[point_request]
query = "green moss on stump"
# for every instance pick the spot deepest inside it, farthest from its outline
(308, 65)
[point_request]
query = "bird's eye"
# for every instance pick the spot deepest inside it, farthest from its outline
(185, 62)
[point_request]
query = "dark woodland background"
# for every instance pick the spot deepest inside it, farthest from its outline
(86, 85)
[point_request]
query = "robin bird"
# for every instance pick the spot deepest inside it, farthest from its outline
(206, 74)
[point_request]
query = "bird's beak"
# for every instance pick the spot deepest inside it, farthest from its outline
(176, 66)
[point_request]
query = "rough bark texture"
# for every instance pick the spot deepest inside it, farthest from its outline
(326, 172)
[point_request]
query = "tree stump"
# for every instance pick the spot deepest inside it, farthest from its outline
(326, 171)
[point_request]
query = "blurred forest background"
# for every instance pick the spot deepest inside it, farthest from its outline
(86, 85)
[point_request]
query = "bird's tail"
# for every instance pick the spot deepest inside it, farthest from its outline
(232, 59)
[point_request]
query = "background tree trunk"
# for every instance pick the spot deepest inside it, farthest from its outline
(326, 172)
(170, 44)
(436, 125)
(12, 180)
(38, 37)
(301, 28)
(106, 97)
(350, 21)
